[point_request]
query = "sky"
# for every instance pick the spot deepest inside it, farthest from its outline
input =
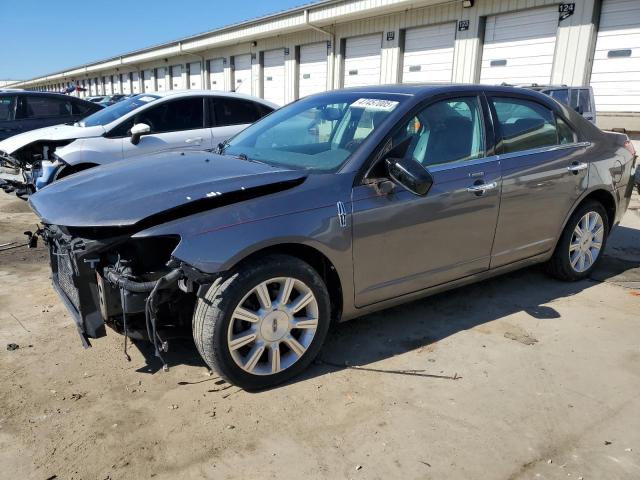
(44, 36)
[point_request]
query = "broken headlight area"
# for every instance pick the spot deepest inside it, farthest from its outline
(130, 285)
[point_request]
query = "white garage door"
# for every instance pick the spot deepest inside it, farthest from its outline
(107, 85)
(216, 74)
(135, 82)
(115, 80)
(428, 53)
(176, 77)
(147, 82)
(273, 76)
(362, 60)
(519, 47)
(313, 69)
(615, 77)
(195, 76)
(126, 83)
(94, 86)
(242, 74)
(161, 81)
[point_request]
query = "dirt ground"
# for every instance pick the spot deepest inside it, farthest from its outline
(515, 378)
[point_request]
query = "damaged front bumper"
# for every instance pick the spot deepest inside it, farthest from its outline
(23, 180)
(119, 282)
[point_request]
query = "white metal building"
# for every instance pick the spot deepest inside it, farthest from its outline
(341, 43)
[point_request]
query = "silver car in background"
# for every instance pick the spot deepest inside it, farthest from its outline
(337, 205)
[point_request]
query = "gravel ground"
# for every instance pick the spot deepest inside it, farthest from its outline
(515, 378)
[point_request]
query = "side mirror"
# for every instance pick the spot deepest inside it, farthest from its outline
(410, 174)
(137, 131)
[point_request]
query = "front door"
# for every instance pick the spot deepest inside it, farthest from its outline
(175, 125)
(404, 243)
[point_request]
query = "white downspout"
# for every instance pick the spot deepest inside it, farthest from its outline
(332, 36)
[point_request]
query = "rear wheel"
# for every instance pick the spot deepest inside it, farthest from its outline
(263, 323)
(581, 244)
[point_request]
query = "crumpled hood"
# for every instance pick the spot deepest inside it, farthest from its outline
(124, 193)
(57, 132)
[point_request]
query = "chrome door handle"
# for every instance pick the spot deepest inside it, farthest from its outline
(577, 167)
(193, 140)
(483, 187)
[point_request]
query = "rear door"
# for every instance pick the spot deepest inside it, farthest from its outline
(404, 243)
(544, 171)
(175, 125)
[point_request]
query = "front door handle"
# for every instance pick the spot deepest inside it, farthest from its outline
(193, 140)
(483, 187)
(576, 167)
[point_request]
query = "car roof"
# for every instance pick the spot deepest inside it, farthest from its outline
(210, 93)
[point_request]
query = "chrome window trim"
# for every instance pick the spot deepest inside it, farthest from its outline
(443, 167)
(550, 148)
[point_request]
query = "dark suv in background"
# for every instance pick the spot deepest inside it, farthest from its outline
(21, 111)
(579, 98)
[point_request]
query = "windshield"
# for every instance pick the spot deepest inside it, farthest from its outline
(317, 134)
(117, 110)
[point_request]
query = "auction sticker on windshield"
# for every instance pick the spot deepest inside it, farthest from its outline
(375, 104)
(146, 98)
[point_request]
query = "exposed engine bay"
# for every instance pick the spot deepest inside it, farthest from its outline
(131, 285)
(25, 170)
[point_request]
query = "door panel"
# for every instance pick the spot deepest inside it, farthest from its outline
(538, 191)
(404, 243)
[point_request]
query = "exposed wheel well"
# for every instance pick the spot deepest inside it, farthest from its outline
(606, 199)
(71, 169)
(318, 261)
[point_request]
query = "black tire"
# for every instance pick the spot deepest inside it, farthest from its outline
(559, 265)
(213, 313)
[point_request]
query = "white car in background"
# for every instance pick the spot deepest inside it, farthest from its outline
(141, 125)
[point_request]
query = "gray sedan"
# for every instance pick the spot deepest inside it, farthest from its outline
(335, 206)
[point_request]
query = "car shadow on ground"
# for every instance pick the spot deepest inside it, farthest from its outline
(360, 343)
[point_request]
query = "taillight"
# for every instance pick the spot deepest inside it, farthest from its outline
(628, 144)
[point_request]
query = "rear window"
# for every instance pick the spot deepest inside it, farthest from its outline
(581, 99)
(44, 107)
(235, 111)
(524, 125)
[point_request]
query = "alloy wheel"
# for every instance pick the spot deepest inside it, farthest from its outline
(586, 242)
(273, 326)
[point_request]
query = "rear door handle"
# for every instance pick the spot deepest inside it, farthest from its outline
(193, 140)
(577, 167)
(483, 187)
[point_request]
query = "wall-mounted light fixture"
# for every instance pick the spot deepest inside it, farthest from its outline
(467, 3)
(254, 44)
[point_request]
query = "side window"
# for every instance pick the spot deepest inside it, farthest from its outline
(447, 131)
(174, 116)
(121, 130)
(581, 100)
(524, 124)
(6, 108)
(234, 111)
(45, 107)
(561, 95)
(81, 108)
(565, 134)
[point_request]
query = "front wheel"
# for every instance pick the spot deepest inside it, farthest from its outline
(263, 323)
(581, 244)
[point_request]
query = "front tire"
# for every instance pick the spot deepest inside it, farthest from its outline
(264, 322)
(581, 244)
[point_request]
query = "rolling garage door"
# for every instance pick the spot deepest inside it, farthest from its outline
(519, 47)
(242, 74)
(273, 76)
(428, 53)
(126, 83)
(362, 60)
(147, 82)
(216, 74)
(313, 69)
(161, 81)
(115, 80)
(94, 87)
(176, 77)
(615, 76)
(195, 76)
(107, 85)
(135, 82)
